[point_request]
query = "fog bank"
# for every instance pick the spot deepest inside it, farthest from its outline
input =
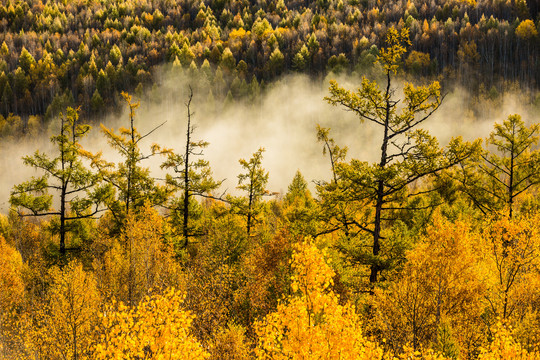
(283, 121)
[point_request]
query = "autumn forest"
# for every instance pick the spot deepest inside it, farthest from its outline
(119, 245)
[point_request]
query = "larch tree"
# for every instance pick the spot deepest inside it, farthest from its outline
(408, 154)
(190, 177)
(497, 178)
(299, 207)
(132, 182)
(254, 183)
(65, 174)
(339, 214)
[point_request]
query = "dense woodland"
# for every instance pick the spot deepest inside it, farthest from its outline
(431, 252)
(84, 53)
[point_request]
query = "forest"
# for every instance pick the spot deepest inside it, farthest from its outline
(55, 54)
(415, 248)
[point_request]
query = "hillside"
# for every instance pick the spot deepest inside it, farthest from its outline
(85, 52)
(161, 233)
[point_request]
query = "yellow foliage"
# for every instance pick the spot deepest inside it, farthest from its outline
(11, 283)
(504, 347)
(512, 247)
(157, 328)
(210, 288)
(418, 60)
(141, 260)
(151, 257)
(230, 343)
(11, 292)
(512, 260)
(238, 33)
(526, 30)
(267, 271)
(440, 283)
(311, 324)
(410, 354)
(64, 325)
(397, 42)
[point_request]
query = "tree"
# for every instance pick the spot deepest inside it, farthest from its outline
(26, 60)
(340, 211)
(496, 179)
(149, 252)
(11, 281)
(275, 62)
(12, 291)
(132, 182)
(408, 155)
(227, 60)
(157, 328)
(254, 182)
(511, 251)
(64, 325)
(79, 195)
(311, 323)
(115, 55)
(504, 346)
(526, 30)
(97, 103)
(185, 55)
(230, 343)
(299, 207)
(193, 178)
(439, 286)
(297, 189)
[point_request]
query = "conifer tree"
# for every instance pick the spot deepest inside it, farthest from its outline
(497, 178)
(191, 177)
(254, 183)
(132, 182)
(341, 211)
(300, 207)
(78, 194)
(408, 154)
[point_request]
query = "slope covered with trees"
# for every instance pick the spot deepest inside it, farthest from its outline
(84, 53)
(431, 252)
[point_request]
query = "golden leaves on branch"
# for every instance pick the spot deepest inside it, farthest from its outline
(505, 347)
(157, 328)
(440, 285)
(64, 325)
(311, 324)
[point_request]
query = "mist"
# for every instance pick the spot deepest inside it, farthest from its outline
(283, 122)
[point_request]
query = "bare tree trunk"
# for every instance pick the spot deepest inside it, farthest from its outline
(186, 171)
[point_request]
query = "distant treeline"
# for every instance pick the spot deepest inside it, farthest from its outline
(84, 52)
